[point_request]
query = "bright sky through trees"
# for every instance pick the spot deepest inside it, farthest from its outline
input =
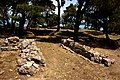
(66, 4)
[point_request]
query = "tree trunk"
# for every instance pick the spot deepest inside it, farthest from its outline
(3, 20)
(29, 23)
(13, 23)
(46, 18)
(22, 22)
(105, 27)
(77, 23)
(58, 20)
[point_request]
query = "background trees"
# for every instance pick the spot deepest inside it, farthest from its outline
(19, 14)
(69, 16)
(100, 13)
(24, 12)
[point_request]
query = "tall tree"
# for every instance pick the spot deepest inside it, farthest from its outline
(60, 3)
(81, 5)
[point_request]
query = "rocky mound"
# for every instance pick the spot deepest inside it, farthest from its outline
(30, 57)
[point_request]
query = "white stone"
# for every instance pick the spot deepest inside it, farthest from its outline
(36, 65)
(28, 64)
(25, 51)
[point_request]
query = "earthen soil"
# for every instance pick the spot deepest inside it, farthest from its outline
(62, 65)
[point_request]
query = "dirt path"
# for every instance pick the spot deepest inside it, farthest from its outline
(62, 65)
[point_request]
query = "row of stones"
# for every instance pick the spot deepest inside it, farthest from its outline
(87, 52)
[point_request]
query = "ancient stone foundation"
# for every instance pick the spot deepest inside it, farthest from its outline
(87, 52)
(30, 58)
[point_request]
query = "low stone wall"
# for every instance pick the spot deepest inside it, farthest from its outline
(30, 57)
(87, 52)
(9, 44)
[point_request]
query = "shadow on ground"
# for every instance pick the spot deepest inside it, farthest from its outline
(50, 35)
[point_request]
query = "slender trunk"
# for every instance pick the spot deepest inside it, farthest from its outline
(58, 20)
(77, 22)
(8, 23)
(105, 27)
(22, 22)
(3, 20)
(13, 23)
(29, 23)
(46, 18)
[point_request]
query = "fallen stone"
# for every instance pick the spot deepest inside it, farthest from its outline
(34, 52)
(28, 64)
(5, 48)
(23, 55)
(1, 72)
(21, 61)
(4, 42)
(10, 70)
(25, 51)
(33, 43)
(14, 39)
(36, 58)
(23, 44)
(32, 70)
(27, 71)
(36, 65)
(108, 62)
(23, 70)
(14, 48)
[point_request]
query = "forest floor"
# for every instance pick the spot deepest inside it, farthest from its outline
(62, 65)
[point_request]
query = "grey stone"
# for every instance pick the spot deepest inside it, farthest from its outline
(23, 70)
(14, 39)
(23, 44)
(36, 65)
(27, 71)
(25, 51)
(37, 57)
(23, 55)
(14, 48)
(108, 62)
(5, 48)
(21, 61)
(33, 43)
(4, 42)
(34, 52)
(28, 64)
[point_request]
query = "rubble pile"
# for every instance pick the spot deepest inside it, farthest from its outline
(88, 52)
(30, 58)
(9, 44)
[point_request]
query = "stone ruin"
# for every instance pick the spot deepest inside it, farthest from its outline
(30, 58)
(86, 52)
(9, 44)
